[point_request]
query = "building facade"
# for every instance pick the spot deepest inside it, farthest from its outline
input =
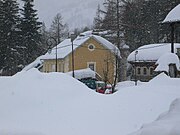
(143, 60)
(90, 51)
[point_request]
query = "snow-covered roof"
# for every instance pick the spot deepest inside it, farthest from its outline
(165, 60)
(173, 15)
(151, 52)
(65, 47)
(35, 64)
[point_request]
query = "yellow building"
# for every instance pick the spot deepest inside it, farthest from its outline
(90, 51)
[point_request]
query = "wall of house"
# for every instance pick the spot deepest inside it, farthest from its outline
(101, 57)
(50, 66)
(143, 71)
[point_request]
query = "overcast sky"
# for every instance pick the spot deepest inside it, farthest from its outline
(77, 13)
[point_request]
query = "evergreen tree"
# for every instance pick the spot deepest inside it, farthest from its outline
(142, 19)
(2, 45)
(110, 18)
(44, 37)
(31, 36)
(139, 22)
(9, 19)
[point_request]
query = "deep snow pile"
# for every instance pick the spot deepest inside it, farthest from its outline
(34, 103)
(167, 123)
(165, 60)
(125, 84)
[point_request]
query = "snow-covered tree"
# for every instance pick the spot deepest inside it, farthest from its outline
(2, 46)
(30, 30)
(9, 20)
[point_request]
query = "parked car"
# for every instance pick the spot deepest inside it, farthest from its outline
(108, 89)
(90, 82)
(100, 87)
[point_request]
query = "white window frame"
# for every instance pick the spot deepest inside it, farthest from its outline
(88, 63)
(143, 69)
(91, 49)
(137, 70)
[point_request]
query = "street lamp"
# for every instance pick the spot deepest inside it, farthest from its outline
(135, 76)
(73, 36)
(50, 45)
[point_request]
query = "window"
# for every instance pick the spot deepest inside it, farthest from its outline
(145, 71)
(151, 71)
(91, 47)
(53, 68)
(138, 70)
(92, 66)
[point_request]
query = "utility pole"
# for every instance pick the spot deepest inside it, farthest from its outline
(135, 72)
(172, 36)
(73, 36)
(119, 66)
(118, 25)
(58, 41)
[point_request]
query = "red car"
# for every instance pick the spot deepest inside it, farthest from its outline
(102, 88)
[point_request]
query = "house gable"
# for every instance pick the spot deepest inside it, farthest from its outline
(102, 58)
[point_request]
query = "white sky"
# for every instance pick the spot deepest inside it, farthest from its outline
(76, 13)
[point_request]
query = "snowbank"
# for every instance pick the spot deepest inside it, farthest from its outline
(34, 103)
(125, 84)
(167, 123)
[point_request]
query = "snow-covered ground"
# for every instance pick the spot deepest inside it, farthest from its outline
(34, 103)
(166, 124)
